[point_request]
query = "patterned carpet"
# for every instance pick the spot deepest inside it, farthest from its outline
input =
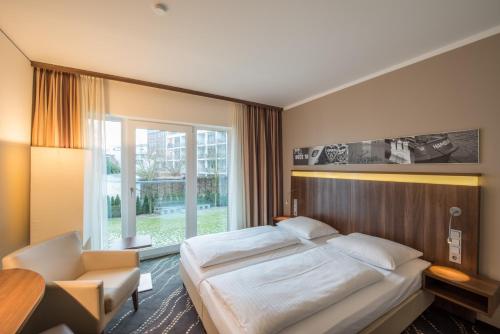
(435, 320)
(165, 309)
(168, 309)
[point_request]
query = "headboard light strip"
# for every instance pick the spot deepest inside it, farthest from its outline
(457, 180)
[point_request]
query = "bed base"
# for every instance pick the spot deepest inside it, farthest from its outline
(401, 316)
(395, 321)
(205, 318)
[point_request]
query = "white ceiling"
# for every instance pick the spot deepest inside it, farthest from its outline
(276, 52)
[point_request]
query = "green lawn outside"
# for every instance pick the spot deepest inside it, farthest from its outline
(169, 229)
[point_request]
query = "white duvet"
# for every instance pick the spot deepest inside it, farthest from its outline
(270, 296)
(218, 248)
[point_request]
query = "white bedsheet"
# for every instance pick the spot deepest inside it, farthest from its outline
(350, 315)
(267, 297)
(218, 248)
(198, 274)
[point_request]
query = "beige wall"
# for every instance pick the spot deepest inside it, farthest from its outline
(453, 91)
(15, 120)
(57, 176)
(146, 103)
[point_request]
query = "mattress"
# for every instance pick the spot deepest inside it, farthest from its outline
(350, 315)
(198, 274)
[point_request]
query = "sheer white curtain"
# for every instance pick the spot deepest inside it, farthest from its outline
(237, 207)
(94, 120)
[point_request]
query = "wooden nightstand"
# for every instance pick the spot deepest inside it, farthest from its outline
(277, 219)
(472, 292)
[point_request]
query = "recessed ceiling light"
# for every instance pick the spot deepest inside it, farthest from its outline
(160, 8)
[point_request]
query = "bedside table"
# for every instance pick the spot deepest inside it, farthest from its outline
(474, 293)
(277, 219)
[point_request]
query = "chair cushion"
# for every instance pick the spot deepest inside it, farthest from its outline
(118, 284)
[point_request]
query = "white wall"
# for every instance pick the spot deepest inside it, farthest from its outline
(147, 103)
(15, 133)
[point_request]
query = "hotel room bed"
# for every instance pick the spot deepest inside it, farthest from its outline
(384, 307)
(193, 274)
(198, 274)
(350, 315)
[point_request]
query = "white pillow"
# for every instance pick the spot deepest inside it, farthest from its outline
(307, 228)
(376, 251)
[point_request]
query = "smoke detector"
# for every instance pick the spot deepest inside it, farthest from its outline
(160, 8)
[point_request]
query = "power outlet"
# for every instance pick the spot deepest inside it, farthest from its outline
(457, 258)
(295, 209)
(455, 248)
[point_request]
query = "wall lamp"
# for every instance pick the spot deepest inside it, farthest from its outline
(454, 212)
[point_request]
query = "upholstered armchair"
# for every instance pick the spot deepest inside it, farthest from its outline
(84, 289)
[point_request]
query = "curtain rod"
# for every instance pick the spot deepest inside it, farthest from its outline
(146, 83)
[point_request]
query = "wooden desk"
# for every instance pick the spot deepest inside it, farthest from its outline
(139, 241)
(20, 292)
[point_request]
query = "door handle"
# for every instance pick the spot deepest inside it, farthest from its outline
(132, 191)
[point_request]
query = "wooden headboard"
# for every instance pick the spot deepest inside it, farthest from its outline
(412, 209)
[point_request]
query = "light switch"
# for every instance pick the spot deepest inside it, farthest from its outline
(456, 234)
(455, 248)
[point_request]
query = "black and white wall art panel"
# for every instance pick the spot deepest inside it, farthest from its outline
(447, 147)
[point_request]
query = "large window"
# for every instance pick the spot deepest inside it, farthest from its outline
(176, 180)
(212, 181)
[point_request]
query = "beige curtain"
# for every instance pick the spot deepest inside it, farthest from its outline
(69, 112)
(263, 165)
(57, 118)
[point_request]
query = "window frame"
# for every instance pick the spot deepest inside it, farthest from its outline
(127, 125)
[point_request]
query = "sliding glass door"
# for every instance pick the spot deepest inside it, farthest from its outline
(166, 181)
(161, 183)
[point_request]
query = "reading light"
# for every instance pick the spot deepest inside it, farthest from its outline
(449, 273)
(454, 212)
(456, 180)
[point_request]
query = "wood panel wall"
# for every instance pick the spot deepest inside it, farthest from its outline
(409, 213)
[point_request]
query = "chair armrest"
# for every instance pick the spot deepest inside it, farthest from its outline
(88, 294)
(101, 260)
(78, 304)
